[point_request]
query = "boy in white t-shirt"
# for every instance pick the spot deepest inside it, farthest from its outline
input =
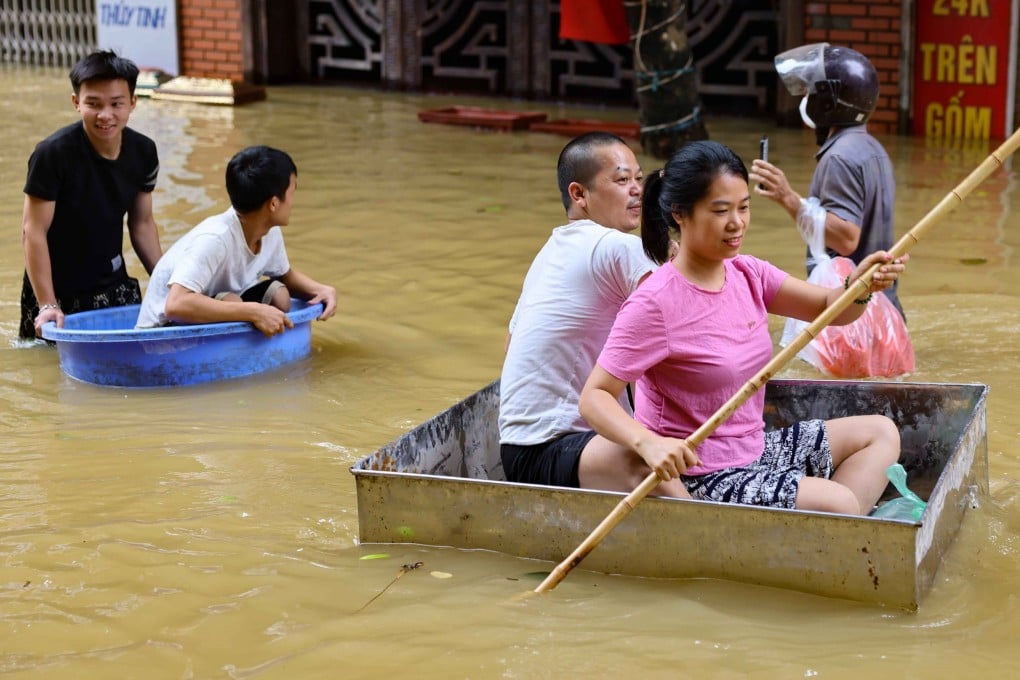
(233, 266)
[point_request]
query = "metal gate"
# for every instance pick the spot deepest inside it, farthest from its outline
(511, 47)
(47, 32)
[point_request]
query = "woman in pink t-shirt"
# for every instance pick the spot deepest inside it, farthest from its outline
(697, 330)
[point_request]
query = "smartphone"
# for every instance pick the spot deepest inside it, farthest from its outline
(763, 151)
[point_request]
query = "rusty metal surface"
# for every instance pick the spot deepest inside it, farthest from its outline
(442, 484)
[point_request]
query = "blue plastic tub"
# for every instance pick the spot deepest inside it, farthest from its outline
(104, 348)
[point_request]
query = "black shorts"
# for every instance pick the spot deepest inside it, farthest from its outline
(553, 463)
(261, 292)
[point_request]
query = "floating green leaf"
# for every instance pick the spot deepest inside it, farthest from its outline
(375, 556)
(971, 261)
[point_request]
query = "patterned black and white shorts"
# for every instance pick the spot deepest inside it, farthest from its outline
(123, 292)
(791, 453)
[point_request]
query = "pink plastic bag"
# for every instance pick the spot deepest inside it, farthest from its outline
(875, 345)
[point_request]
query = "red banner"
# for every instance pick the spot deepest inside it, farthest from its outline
(599, 21)
(962, 83)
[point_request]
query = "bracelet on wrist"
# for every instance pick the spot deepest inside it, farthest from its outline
(846, 286)
(43, 308)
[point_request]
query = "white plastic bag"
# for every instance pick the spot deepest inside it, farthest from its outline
(877, 344)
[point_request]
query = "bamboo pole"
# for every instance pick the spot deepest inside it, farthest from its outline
(857, 289)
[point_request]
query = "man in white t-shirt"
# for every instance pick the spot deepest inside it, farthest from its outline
(568, 303)
(233, 266)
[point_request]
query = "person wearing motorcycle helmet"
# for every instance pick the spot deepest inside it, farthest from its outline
(839, 85)
(853, 188)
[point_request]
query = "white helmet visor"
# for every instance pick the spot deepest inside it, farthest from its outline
(802, 67)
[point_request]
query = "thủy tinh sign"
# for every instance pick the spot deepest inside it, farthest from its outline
(144, 31)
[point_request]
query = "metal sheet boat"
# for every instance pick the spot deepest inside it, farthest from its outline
(442, 484)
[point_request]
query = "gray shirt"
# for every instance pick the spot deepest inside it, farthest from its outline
(854, 181)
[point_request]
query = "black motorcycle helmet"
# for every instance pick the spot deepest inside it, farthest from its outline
(840, 85)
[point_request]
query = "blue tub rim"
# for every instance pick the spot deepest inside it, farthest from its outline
(301, 312)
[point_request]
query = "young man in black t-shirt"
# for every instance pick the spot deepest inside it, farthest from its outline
(82, 180)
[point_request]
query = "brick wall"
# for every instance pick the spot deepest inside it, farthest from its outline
(212, 44)
(872, 27)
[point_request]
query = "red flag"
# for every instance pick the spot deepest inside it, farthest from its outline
(600, 21)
